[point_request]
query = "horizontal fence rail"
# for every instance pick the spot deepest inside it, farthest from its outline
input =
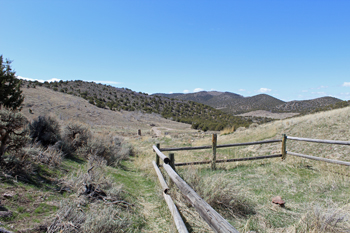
(180, 225)
(319, 140)
(161, 155)
(160, 177)
(185, 148)
(213, 218)
(219, 146)
(319, 159)
(230, 160)
(249, 143)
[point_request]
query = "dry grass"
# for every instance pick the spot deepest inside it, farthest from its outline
(83, 213)
(263, 113)
(227, 130)
(325, 219)
(49, 156)
(315, 192)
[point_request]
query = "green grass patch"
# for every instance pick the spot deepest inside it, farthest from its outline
(44, 208)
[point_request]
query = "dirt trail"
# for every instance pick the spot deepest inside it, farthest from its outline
(158, 132)
(139, 184)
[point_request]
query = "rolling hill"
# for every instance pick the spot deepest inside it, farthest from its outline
(200, 116)
(237, 104)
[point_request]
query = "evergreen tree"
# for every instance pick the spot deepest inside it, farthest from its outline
(10, 94)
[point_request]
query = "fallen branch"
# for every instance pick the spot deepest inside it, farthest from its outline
(122, 202)
(90, 169)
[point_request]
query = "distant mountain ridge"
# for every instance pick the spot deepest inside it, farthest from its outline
(237, 104)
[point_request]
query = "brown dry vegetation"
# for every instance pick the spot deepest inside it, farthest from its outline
(315, 192)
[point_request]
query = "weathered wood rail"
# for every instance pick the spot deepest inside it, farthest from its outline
(214, 146)
(213, 218)
(230, 160)
(220, 146)
(179, 223)
(283, 154)
(319, 159)
(347, 143)
(319, 140)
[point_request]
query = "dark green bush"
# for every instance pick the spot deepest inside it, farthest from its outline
(13, 135)
(44, 130)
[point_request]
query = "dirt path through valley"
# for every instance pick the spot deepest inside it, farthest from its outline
(158, 132)
(147, 192)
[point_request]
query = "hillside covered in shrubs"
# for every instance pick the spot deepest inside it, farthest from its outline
(200, 116)
(56, 177)
(43, 140)
(38, 154)
(236, 104)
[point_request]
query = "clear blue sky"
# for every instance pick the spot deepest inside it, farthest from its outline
(292, 50)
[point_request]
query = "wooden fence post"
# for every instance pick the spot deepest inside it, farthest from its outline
(172, 165)
(213, 218)
(284, 146)
(157, 157)
(213, 163)
(172, 160)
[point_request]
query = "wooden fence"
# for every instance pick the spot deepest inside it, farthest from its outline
(216, 221)
(213, 218)
(283, 154)
(318, 158)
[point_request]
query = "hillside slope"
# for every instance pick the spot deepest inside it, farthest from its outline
(211, 98)
(237, 104)
(200, 116)
(42, 101)
(305, 106)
